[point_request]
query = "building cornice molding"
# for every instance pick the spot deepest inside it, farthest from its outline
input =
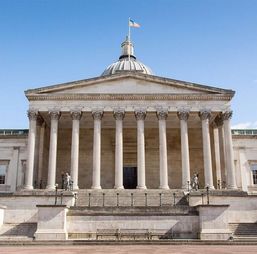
(138, 76)
(133, 97)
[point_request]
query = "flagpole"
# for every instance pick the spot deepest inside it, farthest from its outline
(129, 39)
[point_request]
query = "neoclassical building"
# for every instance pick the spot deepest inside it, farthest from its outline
(129, 127)
(129, 132)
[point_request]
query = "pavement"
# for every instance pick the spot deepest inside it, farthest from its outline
(122, 249)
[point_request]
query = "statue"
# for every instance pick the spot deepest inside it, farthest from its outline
(67, 181)
(195, 182)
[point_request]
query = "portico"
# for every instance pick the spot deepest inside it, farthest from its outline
(127, 117)
(166, 141)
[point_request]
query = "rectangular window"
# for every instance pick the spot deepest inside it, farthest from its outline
(3, 171)
(254, 172)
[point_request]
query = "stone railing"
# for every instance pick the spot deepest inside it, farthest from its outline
(244, 132)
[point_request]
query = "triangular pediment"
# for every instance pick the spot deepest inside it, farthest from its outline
(129, 83)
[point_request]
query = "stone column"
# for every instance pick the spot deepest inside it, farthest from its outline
(97, 116)
(140, 116)
(32, 115)
(54, 116)
(231, 178)
(217, 148)
(205, 117)
(119, 115)
(41, 150)
(183, 117)
(76, 116)
(162, 117)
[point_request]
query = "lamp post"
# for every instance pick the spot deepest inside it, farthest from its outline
(62, 180)
(207, 193)
(56, 188)
(174, 199)
(132, 199)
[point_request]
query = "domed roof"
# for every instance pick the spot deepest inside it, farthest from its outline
(127, 62)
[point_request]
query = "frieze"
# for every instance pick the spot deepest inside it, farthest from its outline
(183, 115)
(205, 114)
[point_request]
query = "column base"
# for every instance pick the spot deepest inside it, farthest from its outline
(210, 187)
(232, 187)
(96, 187)
(75, 188)
(164, 187)
(28, 187)
(119, 187)
(141, 187)
(50, 187)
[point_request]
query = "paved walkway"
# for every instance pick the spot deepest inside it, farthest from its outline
(134, 249)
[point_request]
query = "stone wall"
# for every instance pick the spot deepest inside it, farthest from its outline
(130, 155)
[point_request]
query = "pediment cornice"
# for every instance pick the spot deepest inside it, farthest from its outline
(121, 76)
(129, 97)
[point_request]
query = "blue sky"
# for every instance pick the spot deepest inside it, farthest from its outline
(45, 42)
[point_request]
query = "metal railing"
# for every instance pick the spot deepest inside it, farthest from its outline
(244, 132)
(13, 132)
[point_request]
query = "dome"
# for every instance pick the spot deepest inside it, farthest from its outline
(127, 62)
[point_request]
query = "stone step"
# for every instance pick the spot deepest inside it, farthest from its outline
(140, 211)
(21, 230)
(130, 198)
(244, 229)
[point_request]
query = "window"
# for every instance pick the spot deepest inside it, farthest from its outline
(3, 171)
(254, 172)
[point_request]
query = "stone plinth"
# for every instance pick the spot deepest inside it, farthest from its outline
(213, 222)
(51, 222)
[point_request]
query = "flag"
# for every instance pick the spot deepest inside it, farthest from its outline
(133, 24)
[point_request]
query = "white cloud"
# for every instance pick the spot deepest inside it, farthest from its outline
(246, 125)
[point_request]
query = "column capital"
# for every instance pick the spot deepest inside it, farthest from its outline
(205, 114)
(76, 115)
(140, 114)
(183, 115)
(32, 115)
(119, 114)
(162, 114)
(218, 122)
(54, 115)
(97, 114)
(40, 120)
(227, 115)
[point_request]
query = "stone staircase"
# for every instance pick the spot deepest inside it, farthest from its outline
(18, 232)
(133, 198)
(244, 230)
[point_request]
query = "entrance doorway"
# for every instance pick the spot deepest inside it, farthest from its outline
(130, 177)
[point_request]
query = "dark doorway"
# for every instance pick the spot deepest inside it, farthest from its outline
(130, 177)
